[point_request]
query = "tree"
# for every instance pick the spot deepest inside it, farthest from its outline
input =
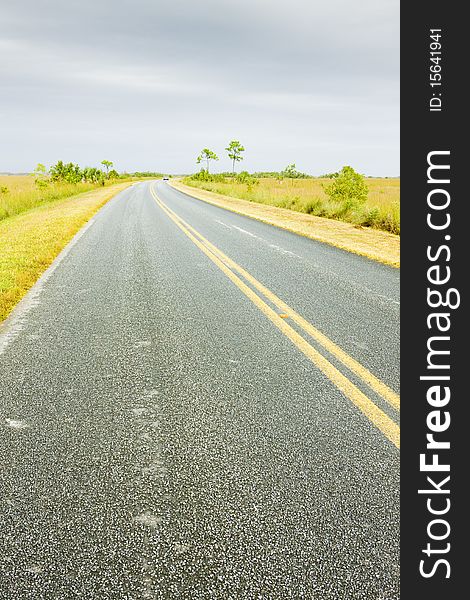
(207, 155)
(348, 188)
(40, 176)
(291, 172)
(69, 172)
(107, 164)
(40, 170)
(234, 150)
(93, 175)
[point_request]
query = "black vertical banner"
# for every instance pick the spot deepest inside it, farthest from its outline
(434, 269)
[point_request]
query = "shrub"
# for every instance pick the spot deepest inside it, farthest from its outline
(40, 176)
(41, 184)
(245, 177)
(92, 175)
(348, 189)
(204, 175)
(371, 217)
(313, 207)
(66, 172)
(290, 172)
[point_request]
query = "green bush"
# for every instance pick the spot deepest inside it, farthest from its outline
(41, 184)
(66, 172)
(348, 189)
(245, 177)
(290, 172)
(204, 175)
(92, 175)
(313, 207)
(371, 217)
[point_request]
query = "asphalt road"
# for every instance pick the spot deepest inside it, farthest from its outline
(164, 434)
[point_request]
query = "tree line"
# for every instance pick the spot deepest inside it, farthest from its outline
(70, 172)
(235, 152)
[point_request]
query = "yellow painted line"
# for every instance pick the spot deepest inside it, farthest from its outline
(375, 415)
(353, 365)
(348, 361)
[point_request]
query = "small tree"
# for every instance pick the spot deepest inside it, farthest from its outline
(68, 172)
(290, 171)
(348, 188)
(57, 171)
(40, 176)
(234, 151)
(207, 155)
(93, 175)
(40, 170)
(107, 164)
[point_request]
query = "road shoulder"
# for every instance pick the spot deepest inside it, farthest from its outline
(374, 244)
(31, 241)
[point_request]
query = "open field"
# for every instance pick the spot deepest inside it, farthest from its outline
(19, 193)
(30, 241)
(381, 211)
(22, 194)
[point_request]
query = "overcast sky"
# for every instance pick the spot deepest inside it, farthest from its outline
(148, 83)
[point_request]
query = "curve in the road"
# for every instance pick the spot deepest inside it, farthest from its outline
(375, 415)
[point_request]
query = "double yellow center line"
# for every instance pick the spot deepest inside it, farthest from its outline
(230, 268)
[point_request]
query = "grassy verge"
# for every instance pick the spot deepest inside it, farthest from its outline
(19, 193)
(381, 211)
(30, 241)
(372, 243)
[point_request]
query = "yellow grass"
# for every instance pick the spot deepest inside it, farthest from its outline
(19, 193)
(30, 241)
(366, 241)
(381, 211)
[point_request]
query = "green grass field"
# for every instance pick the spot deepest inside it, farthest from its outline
(381, 211)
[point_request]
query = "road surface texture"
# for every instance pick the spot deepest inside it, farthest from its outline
(170, 429)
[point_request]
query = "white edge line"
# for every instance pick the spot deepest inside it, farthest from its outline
(275, 246)
(224, 224)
